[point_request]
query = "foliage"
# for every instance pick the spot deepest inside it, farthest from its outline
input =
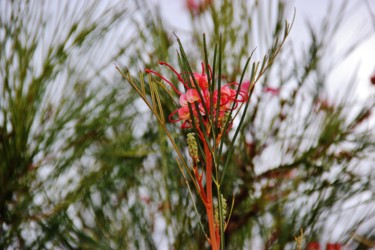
(85, 165)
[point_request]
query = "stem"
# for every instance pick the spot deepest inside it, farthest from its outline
(209, 203)
(198, 178)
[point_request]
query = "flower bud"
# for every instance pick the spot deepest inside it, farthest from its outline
(223, 210)
(193, 147)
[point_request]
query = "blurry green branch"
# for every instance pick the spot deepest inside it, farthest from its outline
(54, 116)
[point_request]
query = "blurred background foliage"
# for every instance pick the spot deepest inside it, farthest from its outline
(84, 165)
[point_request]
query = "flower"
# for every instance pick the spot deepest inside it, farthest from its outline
(272, 91)
(198, 101)
(201, 79)
(313, 246)
(198, 7)
(192, 96)
(245, 86)
(184, 113)
(192, 5)
(333, 246)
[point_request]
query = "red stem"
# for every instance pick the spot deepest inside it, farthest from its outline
(202, 193)
(208, 202)
(209, 205)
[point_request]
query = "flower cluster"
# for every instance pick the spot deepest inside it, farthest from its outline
(200, 100)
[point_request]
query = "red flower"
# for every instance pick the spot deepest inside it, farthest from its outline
(333, 246)
(313, 246)
(199, 98)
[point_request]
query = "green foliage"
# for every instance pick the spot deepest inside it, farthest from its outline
(84, 165)
(60, 120)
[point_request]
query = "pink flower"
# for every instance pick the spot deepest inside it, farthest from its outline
(201, 79)
(245, 87)
(199, 99)
(184, 113)
(272, 91)
(183, 101)
(227, 92)
(198, 6)
(192, 95)
(192, 5)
